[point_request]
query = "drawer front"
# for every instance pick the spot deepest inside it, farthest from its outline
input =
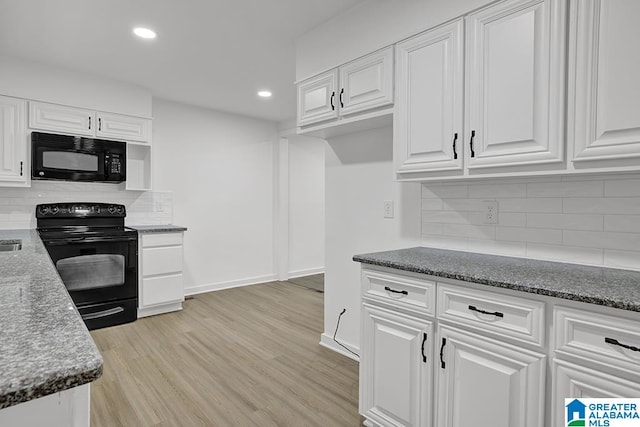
(160, 290)
(157, 261)
(610, 340)
(161, 239)
(493, 312)
(402, 291)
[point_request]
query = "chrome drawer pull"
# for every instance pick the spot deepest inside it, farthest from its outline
(495, 313)
(388, 289)
(616, 342)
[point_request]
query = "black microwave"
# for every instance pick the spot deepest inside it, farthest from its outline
(75, 158)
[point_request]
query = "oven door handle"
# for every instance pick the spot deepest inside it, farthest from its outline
(62, 242)
(103, 313)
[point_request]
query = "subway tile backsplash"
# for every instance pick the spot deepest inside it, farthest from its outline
(17, 205)
(594, 220)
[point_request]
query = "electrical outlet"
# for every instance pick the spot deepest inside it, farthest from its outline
(159, 207)
(388, 208)
(490, 211)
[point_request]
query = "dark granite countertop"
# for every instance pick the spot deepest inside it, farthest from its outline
(44, 345)
(597, 285)
(166, 228)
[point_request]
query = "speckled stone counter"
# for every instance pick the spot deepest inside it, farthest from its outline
(44, 345)
(167, 228)
(603, 286)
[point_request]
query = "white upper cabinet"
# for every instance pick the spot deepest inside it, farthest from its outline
(123, 127)
(77, 121)
(316, 98)
(515, 83)
(61, 118)
(14, 158)
(604, 91)
(428, 118)
(367, 82)
(359, 86)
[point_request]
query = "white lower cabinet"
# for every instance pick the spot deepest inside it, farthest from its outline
(160, 273)
(485, 382)
(398, 363)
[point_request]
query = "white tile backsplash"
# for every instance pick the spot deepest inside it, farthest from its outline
(17, 205)
(593, 220)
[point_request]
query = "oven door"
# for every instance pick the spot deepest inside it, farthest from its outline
(96, 269)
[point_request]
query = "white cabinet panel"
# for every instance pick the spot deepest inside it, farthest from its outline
(162, 260)
(123, 127)
(428, 119)
(15, 167)
(157, 290)
(515, 83)
(317, 98)
(61, 118)
(366, 82)
(487, 383)
(396, 360)
(605, 91)
(160, 277)
(571, 380)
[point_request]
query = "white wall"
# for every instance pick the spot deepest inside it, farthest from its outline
(371, 25)
(32, 80)
(220, 169)
(359, 177)
(306, 206)
(586, 220)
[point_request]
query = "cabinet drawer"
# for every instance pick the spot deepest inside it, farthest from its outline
(598, 337)
(157, 261)
(161, 239)
(505, 315)
(403, 291)
(160, 290)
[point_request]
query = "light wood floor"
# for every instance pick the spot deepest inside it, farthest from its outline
(239, 357)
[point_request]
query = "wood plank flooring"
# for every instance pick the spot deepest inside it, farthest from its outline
(239, 357)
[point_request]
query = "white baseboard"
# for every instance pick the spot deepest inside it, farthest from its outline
(305, 272)
(210, 287)
(328, 342)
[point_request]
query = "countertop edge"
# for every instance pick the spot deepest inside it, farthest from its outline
(166, 228)
(367, 259)
(51, 386)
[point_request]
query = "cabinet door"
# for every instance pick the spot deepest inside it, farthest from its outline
(395, 368)
(515, 83)
(428, 118)
(123, 127)
(367, 82)
(14, 164)
(61, 119)
(571, 381)
(317, 100)
(605, 103)
(483, 382)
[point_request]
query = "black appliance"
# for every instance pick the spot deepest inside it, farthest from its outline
(96, 257)
(75, 158)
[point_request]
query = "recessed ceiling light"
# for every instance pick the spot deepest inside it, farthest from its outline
(264, 93)
(145, 33)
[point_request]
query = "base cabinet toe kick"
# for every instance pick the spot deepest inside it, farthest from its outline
(439, 352)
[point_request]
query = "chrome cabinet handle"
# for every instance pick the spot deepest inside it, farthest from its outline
(444, 342)
(424, 340)
(333, 95)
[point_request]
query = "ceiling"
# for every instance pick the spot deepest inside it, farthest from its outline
(210, 53)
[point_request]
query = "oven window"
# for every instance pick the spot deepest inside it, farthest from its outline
(70, 160)
(92, 271)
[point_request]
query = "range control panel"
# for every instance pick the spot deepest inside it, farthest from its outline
(80, 210)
